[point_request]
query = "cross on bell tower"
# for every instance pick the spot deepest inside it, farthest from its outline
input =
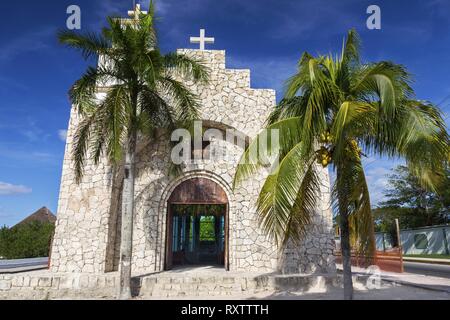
(136, 12)
(202, 40)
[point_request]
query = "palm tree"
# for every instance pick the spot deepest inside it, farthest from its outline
(336, 110)
(143, 95)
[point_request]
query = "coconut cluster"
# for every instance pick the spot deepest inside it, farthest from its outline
(324, 157)
(324, 154)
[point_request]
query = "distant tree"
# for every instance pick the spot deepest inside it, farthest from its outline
(411, 203)
(4, 241)
(207, 228)
(30, 240)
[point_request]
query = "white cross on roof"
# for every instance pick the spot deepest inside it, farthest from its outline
(202, 40)
(136, 12)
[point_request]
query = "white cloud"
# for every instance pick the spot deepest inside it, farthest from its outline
(10, 189)
(377, 176)
(62, 134)
(32, 131)
(31, 135)
(42, 155)
(19, 156)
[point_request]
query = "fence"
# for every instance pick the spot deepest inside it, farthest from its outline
(427, 240)
(389, 260)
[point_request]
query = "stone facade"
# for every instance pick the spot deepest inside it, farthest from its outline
(88, 227)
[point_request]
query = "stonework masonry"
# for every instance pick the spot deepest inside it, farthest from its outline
(87, 236)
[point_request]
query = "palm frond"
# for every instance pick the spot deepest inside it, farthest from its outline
(350, 197)
(351, 48)
(185, 103)
(81, 144)
(141, 94)
(384, 82)
(305, 207)
(288, 108)
(157, 111)
(361, 219)
(351, 121)
(262, 148)
(104, 126)
(187, 67)
(117, 105)
(300, 82)
(417, 133)
(82, 92)
(90, 44)
(279, 196)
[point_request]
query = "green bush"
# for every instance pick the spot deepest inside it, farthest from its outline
(31, 240)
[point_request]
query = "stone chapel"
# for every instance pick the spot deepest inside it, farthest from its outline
(194, 218)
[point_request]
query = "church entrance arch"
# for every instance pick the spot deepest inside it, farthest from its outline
(197, 225)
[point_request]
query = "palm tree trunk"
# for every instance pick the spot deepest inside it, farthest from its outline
(346, 257)
(126, 242)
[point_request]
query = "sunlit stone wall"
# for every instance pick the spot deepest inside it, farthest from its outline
(88, 228)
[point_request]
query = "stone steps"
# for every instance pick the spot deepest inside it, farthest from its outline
(46, 285)
(172, 285)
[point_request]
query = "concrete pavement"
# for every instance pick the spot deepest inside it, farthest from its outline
(437, 270)
(427, 260)
(407, 279)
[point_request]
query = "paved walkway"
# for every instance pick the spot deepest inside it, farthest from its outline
(395, 287)
(385, 292)
(22, 265)
(427, 269)
(408, 279)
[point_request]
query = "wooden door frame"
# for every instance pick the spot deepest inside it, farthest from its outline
(169, 233)
(227, 237)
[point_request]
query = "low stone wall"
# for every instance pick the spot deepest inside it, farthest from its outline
(173, 286)
(42, 286)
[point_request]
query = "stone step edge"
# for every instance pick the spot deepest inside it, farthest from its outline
(150, 286)
(108, 283)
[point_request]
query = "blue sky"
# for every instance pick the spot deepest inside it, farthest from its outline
(266, 36)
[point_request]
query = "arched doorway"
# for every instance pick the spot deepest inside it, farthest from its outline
(197, 225)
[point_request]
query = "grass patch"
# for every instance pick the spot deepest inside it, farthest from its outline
(430, 256)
